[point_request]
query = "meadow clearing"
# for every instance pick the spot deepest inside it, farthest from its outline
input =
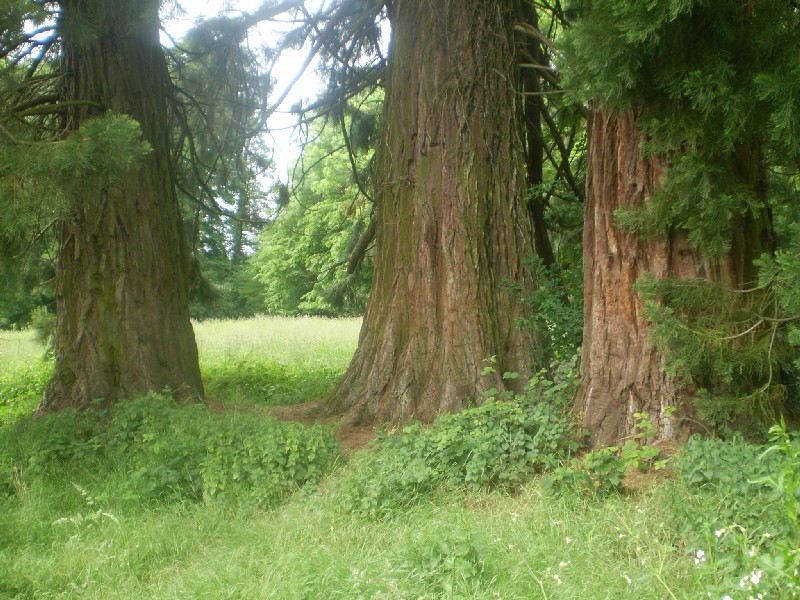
(157, 500)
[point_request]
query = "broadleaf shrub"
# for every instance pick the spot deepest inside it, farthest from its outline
(733, 507)
(602, 472)
(171, 451)
(499, 444)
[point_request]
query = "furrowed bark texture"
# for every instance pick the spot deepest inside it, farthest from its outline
(452, 225)
(621, 374)
(123, 323)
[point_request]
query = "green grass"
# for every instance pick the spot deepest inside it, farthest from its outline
(274, 360)
(80, 519)
(452, 546)
(18, 347)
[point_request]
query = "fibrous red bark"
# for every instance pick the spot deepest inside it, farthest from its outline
(452, 226)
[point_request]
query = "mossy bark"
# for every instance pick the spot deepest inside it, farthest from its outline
(123, 324)
(452, 224)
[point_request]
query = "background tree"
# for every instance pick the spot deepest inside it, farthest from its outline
(451, 220)
(307, 259)
(677, 188)
(219, 125)
(95, 88)
(554, 140)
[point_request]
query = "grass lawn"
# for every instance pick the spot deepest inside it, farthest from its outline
(162, 501)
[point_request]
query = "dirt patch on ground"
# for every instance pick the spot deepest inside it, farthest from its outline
(309, 413)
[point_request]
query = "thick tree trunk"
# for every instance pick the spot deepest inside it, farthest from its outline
(123, 323)
(621, 373)
(452, 225)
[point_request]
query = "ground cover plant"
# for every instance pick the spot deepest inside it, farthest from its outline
(161, 500)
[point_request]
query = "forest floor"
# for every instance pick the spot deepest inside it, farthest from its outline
(351, 438)
(83, 532)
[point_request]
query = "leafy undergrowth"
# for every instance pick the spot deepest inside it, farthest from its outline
(154, 449)
(162, 500)
(501, 444)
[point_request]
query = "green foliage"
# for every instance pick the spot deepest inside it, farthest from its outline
(302, 257)
(781, 276)
(601, 472)
(726, 342)
(107, 146)
(734, 465)
(43, 322)
(781, 562)
(704, 72)
(171, 452)
(734, 506)
(499, 444)
(24, 286)
(220, 288)
(556, 311)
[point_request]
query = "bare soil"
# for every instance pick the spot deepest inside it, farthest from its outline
(309, 413)
(351, 438)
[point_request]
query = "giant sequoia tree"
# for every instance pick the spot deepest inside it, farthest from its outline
(121, 284)
(685, 114)
(86, 119)
(452, 227)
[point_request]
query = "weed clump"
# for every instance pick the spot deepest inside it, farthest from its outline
(159, 450)
(500, 444)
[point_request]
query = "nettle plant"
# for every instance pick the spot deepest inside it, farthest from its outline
(602, 471)
(500, 444)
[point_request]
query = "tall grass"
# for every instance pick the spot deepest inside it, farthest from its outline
(300, 341)
(18, 347)
(274, 360)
